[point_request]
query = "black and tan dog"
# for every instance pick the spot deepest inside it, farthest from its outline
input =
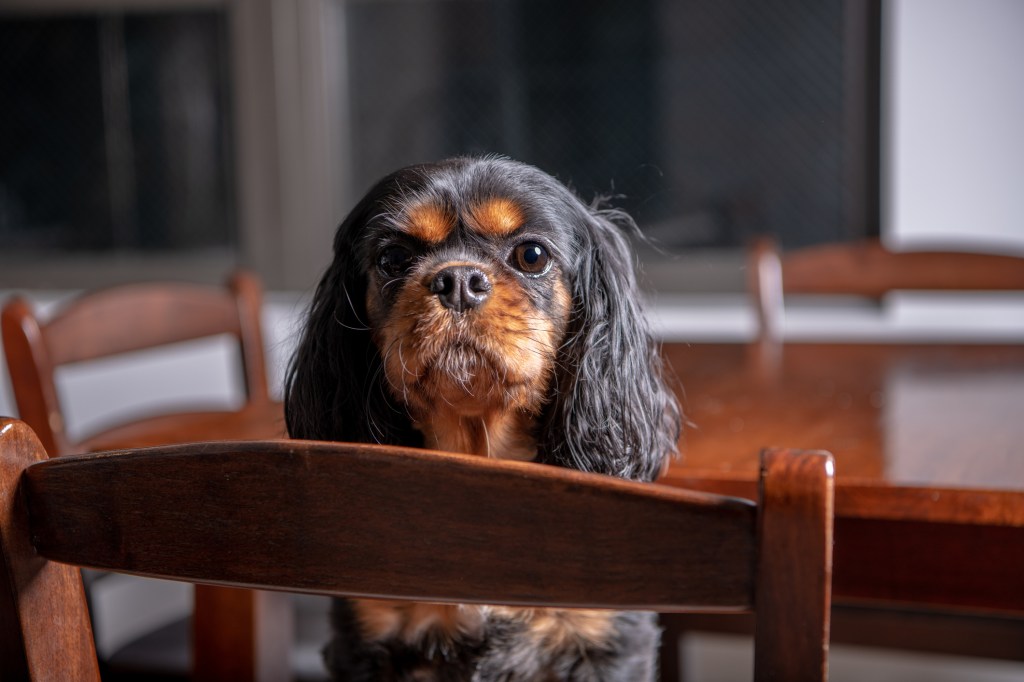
(478, 306)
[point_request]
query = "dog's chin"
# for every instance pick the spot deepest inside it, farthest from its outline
(467, 380)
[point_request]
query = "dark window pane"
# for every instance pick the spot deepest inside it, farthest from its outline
(115, 132)
(712, 121)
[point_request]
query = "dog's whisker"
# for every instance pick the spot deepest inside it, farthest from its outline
(348, 326)
(405, 373)
(487, 439)
(353, 308)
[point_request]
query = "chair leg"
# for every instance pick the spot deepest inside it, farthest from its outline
(241, 635)
(670, 659)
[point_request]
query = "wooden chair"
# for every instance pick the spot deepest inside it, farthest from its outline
(866, 269)
(349, 519)
(133, 317)
(119, 320)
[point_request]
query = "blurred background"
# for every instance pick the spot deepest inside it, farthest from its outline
(178, 139)
(186, 136)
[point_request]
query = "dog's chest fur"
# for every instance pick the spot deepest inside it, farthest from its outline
(387, 641)
(417, 623)
(486, 434)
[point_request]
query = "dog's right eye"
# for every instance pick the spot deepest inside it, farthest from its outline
(394, 260)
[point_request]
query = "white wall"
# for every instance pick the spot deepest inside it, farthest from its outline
(953, 123)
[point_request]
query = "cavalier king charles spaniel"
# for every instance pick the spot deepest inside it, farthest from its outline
(476, 305)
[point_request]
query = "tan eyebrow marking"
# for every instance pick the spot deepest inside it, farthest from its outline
(430, 222)
(497, 217)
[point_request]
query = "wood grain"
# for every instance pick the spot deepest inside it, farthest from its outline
(796, 513)
(208, 498)
(375, 521)
(45, 633)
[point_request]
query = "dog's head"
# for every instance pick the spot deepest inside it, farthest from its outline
(477, 305)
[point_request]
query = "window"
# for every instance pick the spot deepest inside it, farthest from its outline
(713, 121)
(116, 136)
(245, 131)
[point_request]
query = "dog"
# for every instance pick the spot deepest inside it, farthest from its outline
(477, 305)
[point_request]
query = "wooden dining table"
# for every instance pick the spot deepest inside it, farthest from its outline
(928, 443)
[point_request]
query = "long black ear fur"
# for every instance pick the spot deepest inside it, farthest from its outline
(612, 412)
(334, 388)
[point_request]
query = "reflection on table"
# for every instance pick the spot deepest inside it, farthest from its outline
(929, 448)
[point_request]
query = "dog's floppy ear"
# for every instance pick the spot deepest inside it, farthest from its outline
(333, 388)
(612, 412)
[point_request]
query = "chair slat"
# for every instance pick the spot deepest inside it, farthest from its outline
(868, 269)
(134, 317)
(865, 269)
(397, 523)
(194, 512)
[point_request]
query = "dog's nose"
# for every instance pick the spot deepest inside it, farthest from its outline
(460, 287)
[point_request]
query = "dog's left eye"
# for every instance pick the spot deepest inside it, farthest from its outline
(394, 260)
(531, 258)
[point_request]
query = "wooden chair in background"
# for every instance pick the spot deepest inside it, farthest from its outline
(330, 508)
(120, 320)
(133, 317)
(866, 269)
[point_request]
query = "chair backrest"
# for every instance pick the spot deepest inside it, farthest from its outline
(867, 269)
(118, 320)
(397, 523)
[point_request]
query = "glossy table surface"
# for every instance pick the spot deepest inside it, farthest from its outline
(944, 416)
(929, 448)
